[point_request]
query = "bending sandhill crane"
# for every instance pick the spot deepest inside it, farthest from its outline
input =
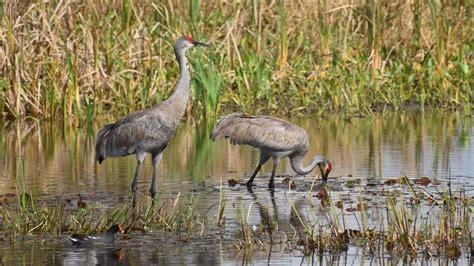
(150, 130)
(275, 138)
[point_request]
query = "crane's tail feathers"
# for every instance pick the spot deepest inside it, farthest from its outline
(222, 127)
(100, 145)
(231, 126)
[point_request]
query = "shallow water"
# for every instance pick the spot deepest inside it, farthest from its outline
(58, 161)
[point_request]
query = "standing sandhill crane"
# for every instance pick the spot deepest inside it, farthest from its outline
(275, 138)
(150, 130)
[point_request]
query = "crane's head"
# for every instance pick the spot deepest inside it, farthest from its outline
(325, 166)
(183, 43)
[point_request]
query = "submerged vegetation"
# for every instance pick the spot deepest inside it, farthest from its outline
(81, 59)
(57, 217)
(410, 220)
(417, 224)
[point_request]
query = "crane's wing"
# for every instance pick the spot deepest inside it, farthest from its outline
(136, 131)
(265, 132)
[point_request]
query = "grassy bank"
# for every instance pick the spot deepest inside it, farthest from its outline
(80, 60)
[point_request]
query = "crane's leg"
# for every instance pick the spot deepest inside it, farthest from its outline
(156, 159)
(140, 156)
(263, 159)
(276, 160)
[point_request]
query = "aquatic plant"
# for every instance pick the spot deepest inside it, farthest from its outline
(79, 60)
(52, 217)
(433, 228)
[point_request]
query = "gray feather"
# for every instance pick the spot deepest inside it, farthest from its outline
(274, 137)
(263, 132)
(148, 130)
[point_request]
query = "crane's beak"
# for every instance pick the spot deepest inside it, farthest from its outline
(325, 172)
(196, 43)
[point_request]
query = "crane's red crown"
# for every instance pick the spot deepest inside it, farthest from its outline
(189, 38)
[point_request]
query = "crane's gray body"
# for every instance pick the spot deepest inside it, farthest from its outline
(150, 130)
(274, 137)
(146, 131)
(269, 134)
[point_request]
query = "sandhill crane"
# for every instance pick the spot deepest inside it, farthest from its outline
(275, 138)
(150, 130)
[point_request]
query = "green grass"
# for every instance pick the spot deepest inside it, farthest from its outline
(80, 60)
(413, 223)
(405, 227)
(51, 217)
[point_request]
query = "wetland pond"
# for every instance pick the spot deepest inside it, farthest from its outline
(54, 164)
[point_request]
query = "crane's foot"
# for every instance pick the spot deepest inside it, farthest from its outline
(250, 185)
(152, 193)
(271, 186)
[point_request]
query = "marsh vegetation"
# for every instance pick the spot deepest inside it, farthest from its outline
(402, 187)
(81, 60)
(407, 197)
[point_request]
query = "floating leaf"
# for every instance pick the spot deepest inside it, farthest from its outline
(339, 204)
(232, 182)
(424, 181)
(357, 209)
(292, 185)
(390, 182)
(372, 184)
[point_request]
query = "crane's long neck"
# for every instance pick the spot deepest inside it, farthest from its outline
(299, 168)
(179, 98)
